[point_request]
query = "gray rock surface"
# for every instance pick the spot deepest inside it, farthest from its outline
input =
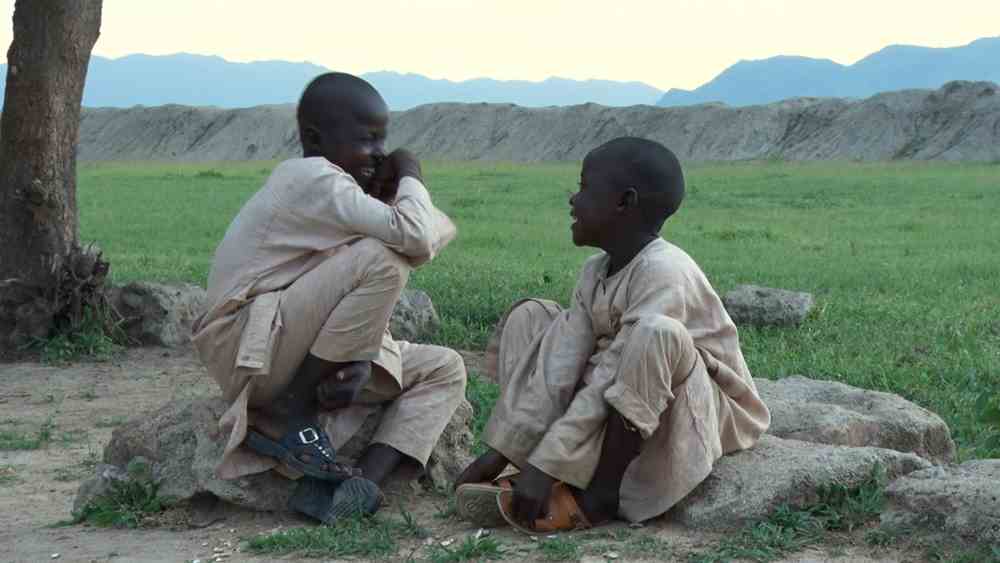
(414, 316)
(828, 412)
(748, 485)
(158, 314)
(753, 305)
(962, 500)
(183, 443)
(959, 121)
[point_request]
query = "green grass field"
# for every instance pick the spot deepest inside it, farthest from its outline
(904, 259)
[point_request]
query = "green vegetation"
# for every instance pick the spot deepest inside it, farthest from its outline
(376, 537)
(89, 341)
(789, 529)
(17, 440)
(8, 475)
(127, 503)
(901, 257)
(472, 548)
(482, 395)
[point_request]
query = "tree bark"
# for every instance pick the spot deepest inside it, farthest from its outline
(46, 69)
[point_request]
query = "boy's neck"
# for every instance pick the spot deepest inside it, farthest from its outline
(622, 250)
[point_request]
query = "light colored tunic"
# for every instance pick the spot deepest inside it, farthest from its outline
(652, 342)
(312, 264)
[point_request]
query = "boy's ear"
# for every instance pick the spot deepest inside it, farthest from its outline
(629, 198)
(311, 137)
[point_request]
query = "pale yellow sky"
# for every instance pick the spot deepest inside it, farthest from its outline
(666, 43)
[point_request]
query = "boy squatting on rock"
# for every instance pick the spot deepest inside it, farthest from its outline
(619, 405)
(300, 294)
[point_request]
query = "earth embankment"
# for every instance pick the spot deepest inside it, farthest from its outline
(959, 122)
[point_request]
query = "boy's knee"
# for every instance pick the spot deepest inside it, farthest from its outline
(527, 312)
(381, 261)
(450, 368)
(664, 328)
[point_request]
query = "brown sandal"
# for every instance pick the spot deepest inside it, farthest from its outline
(563, 515)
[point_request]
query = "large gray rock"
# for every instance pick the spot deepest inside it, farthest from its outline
(747, 486)
(413, 317)
(962, 500)
(828, 412)
(764, 306)
(158, 314)
(183, 443)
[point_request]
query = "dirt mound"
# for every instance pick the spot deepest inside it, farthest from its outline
(960, 121)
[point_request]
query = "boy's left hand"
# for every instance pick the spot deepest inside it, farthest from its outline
(385, 184)
(532, 490)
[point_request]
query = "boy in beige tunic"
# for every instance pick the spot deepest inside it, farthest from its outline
(619, 405)
(300, 294)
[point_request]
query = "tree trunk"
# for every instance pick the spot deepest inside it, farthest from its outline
(46, 69)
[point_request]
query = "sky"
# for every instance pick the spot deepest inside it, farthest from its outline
(664, 43)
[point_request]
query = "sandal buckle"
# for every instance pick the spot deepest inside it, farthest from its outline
(308, 435)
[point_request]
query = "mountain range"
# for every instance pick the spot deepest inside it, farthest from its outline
(898, 67)
(199, 80)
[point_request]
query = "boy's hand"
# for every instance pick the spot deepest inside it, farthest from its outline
(342, 389)
(532, 490)
(385, 184)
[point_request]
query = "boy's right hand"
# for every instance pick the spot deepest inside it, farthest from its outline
(394, 168)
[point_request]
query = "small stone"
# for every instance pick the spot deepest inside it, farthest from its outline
(196, 561)
(55, 556)
(612, 555)
(447, 542)
(764, 306)
(204, 544)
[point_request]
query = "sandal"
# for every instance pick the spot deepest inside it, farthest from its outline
(329, 503)
(314, 444)
(477, 502)
(563, 515)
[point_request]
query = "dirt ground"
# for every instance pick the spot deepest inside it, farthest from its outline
(81, 404)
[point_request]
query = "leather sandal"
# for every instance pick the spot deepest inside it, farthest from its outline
(329, 502)
(563, 514)
(477, 502)
(307, 450)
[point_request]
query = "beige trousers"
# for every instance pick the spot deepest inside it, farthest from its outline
(661, 386)
(337, 311)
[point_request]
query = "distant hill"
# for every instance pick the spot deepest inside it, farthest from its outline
(198, 80)
(960, 121)
(898, 67)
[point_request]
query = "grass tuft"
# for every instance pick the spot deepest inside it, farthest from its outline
(469, 549)
(559, 549)
(14, 440)
(372, 537)
(482, 394)
(89, 341)
(128, 503)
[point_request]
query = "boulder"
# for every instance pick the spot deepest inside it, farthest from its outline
(827, 412)
(960, 500)
(752, 305)
(747, 486)
(413, 317)
(183, 443)
(158, 314)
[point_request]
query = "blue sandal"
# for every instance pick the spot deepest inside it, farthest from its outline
(328, 502)
(309, 442)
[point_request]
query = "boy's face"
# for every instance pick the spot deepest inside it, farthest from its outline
(357, 142)
(594, 207)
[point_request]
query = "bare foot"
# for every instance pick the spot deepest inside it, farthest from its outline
(342, 388)
(484, 469)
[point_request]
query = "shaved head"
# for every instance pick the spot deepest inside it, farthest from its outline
(648, 167)
(335, 96)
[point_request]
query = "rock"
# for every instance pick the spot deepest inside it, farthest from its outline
(183, 442)
(827, 412)
(960, 500)
(98, 485)
(747, 486)
(414, 316)
(764, 306)
(158, 314)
